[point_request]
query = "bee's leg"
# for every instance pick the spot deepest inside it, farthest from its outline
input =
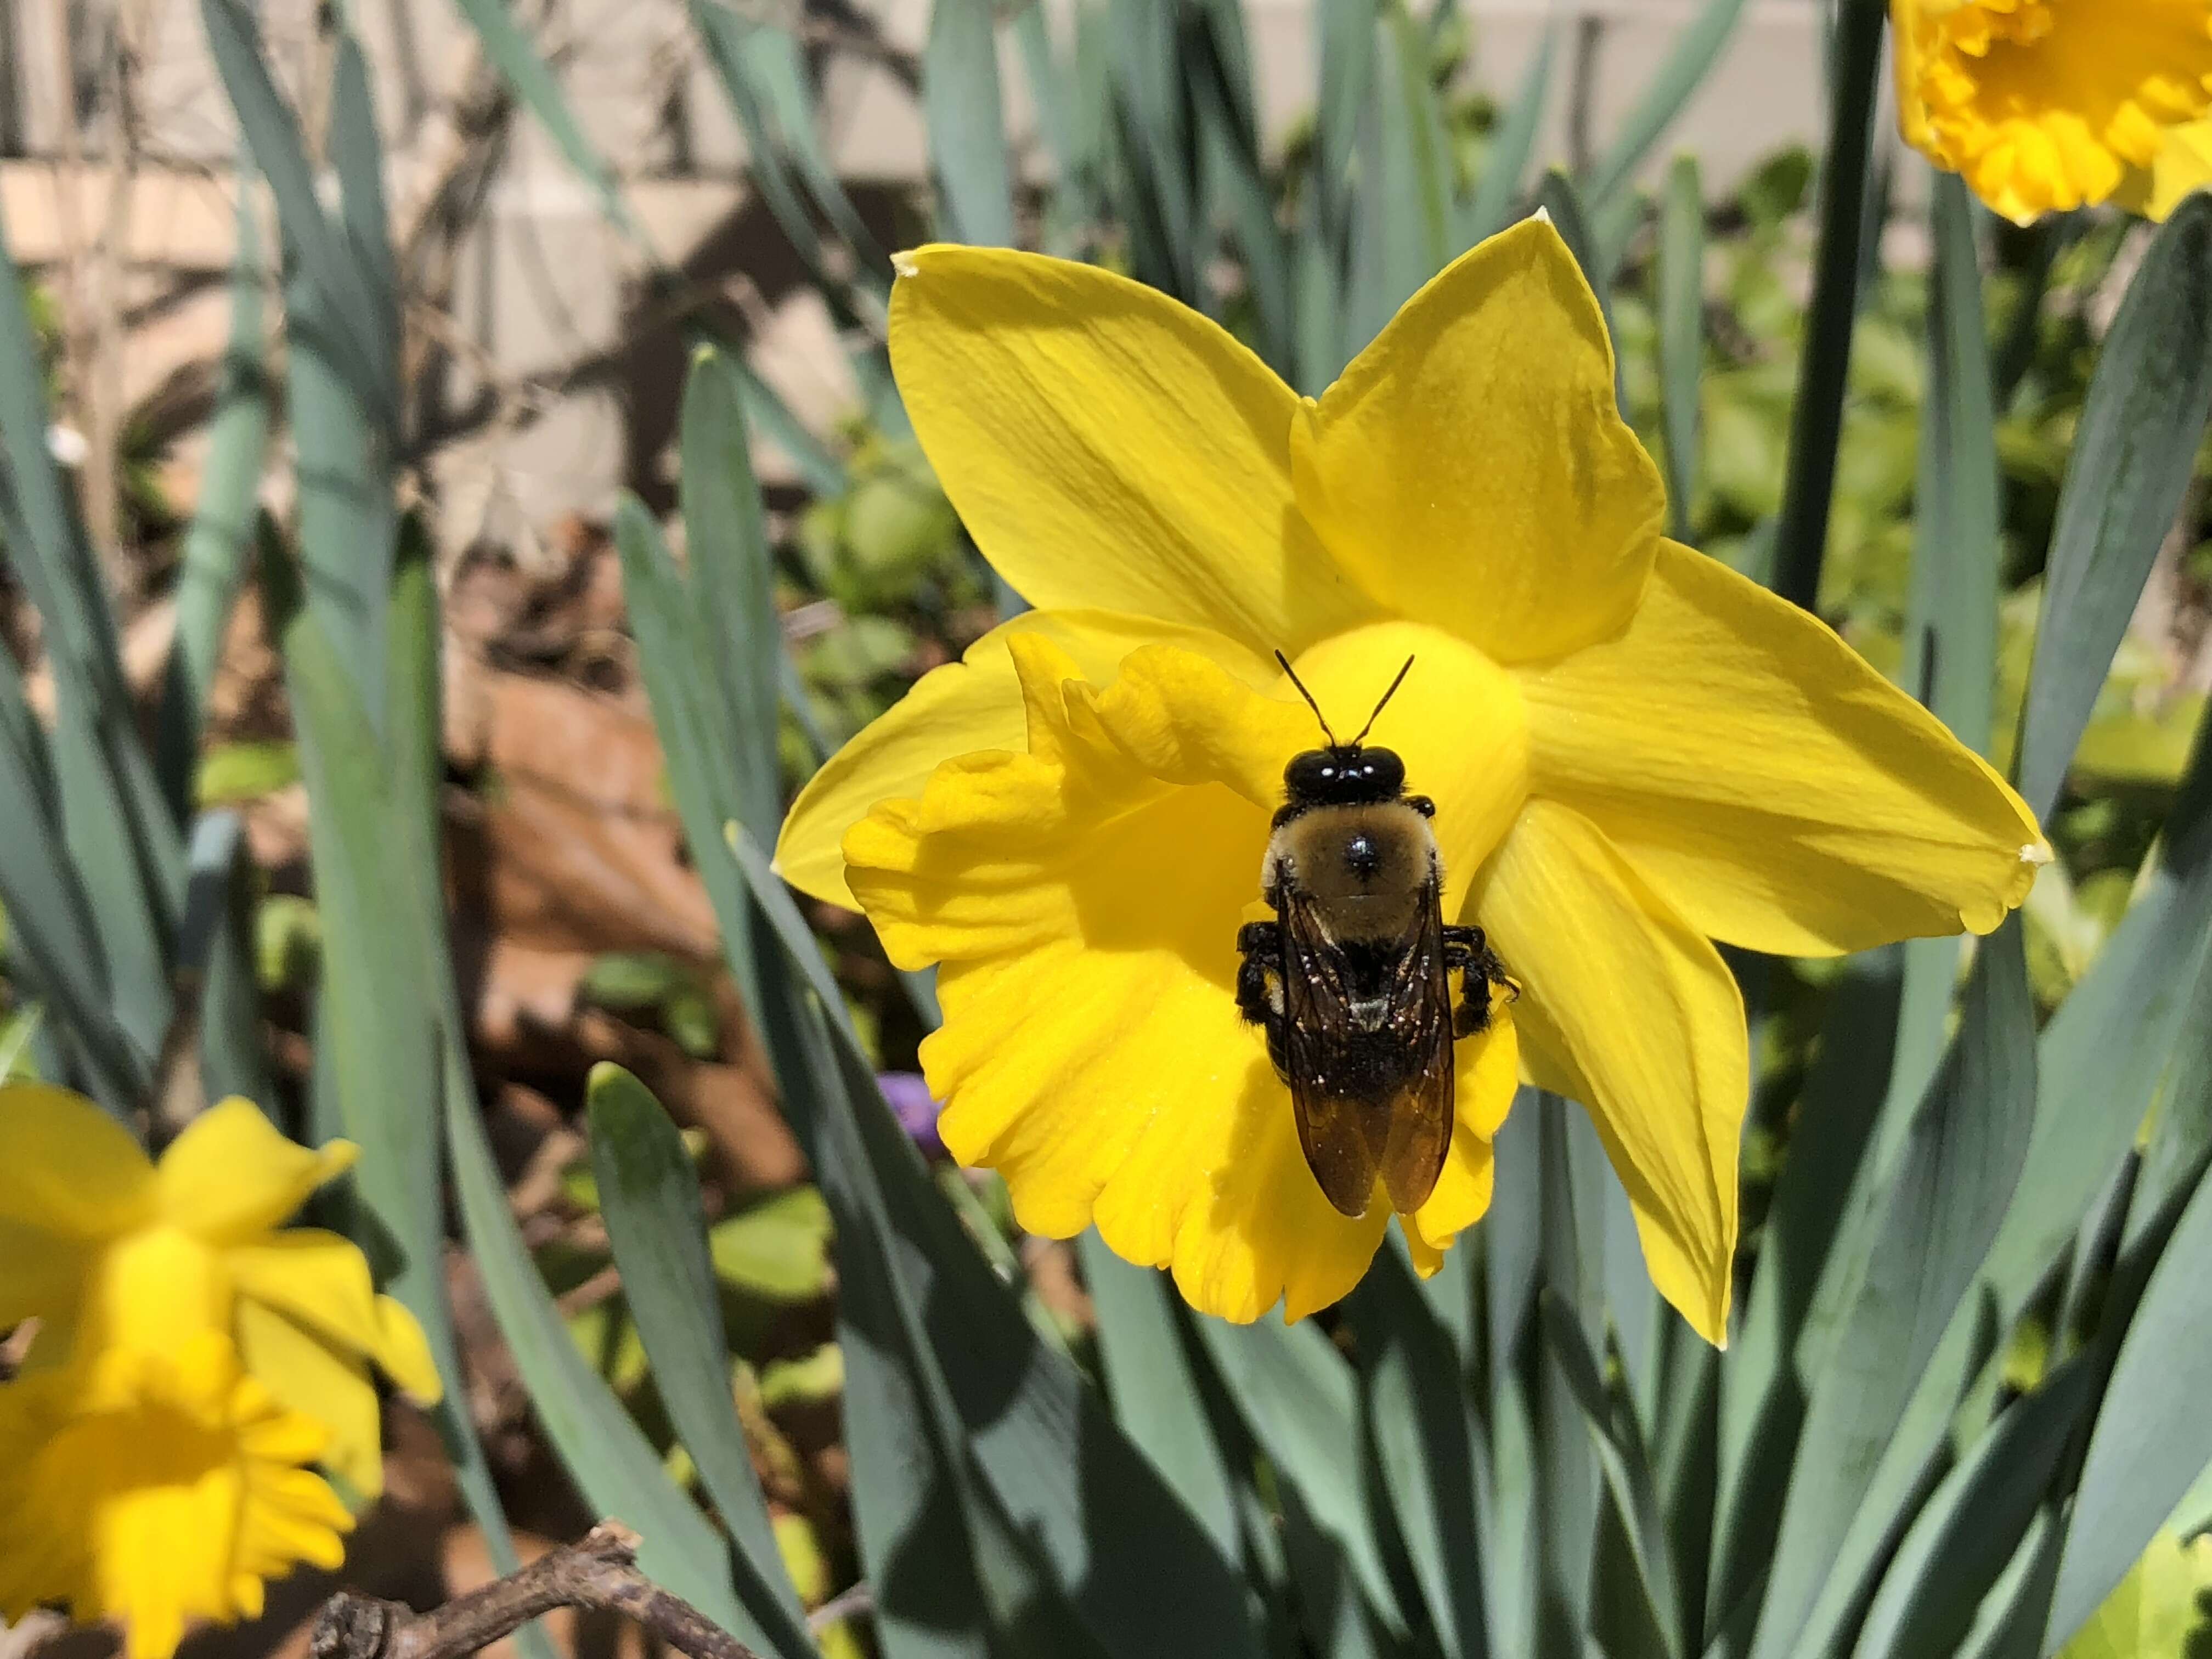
(1260, 945)
(1467, 952)
(1260, 985)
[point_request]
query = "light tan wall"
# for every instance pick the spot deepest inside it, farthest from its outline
(542, 286)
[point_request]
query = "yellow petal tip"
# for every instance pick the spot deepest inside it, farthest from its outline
(1542, 215)
(2036, 853)
(905, 265)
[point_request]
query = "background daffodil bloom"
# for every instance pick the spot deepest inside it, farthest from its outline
(2183, 166)
(1633, 751)
(2048, 105)
(156, 1488)
(109, 1250)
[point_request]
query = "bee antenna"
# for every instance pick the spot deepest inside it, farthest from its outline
(1379, 706)
(1311, 704)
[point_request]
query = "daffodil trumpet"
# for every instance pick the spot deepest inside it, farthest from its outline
(2045, 106)
(156, 1487)
(1632, 751)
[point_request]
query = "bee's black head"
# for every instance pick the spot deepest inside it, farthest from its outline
(1344, 774)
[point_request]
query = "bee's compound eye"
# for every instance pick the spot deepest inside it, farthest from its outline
(1311, 775)
(1385, 770)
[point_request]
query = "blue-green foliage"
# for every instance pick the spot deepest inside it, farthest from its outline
(1959, 1399)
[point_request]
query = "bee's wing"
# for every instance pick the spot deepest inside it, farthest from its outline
(1333, 1124)
(1419, 1125)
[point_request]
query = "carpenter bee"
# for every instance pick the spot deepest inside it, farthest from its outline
(1351, 981)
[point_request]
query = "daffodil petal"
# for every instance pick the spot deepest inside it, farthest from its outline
(1008, 849)
(1781, 794)
(66, 1167)
(1109, 448)
(328, 1384)
(230, 1175)
(44, 1273)
(2182, 166)
(403, 1352)
(1489, 1074)
(1471, 468)
(321, 1280)
(1257, 1228)
(1428, 1259)
(1629, 1009)
(963, 707)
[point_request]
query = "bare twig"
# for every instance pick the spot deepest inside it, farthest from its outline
(599, 1574)
(855, 1603)
(582, 1298)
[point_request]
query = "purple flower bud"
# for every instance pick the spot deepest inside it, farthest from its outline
(910, 1099)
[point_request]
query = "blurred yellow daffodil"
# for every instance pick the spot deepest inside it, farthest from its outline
(2182, 166)
(156, 1488)
(1631, 750)
(2044, 106)
(110, 1251)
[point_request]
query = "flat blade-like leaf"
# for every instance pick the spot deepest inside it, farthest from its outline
(962, 108)
(1429, 1445)
(2105, 1051)
(1958, 1173)
(346, 329)
(1768, 1375)
(342, 357)
(1511, 145)
(1964, 1538)
(518, 58)
(764, 76)
(377, 1075)
(1298, 1396)
(213, 562)
(2130, 464)
(1951, 655)
(1154, 1388)
(612, 1463)
(649, 1195)
(1681, 279)
(731, 569)
(1619, 1442)
(1676, 81)
(2153, 1434)
(117, 827)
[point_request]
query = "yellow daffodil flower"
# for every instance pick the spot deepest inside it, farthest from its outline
(108, 1250)
(2048, 105)
(1633, 751)
(2182, 166)
(159, 1488)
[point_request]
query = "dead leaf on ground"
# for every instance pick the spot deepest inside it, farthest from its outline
(569, 842)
